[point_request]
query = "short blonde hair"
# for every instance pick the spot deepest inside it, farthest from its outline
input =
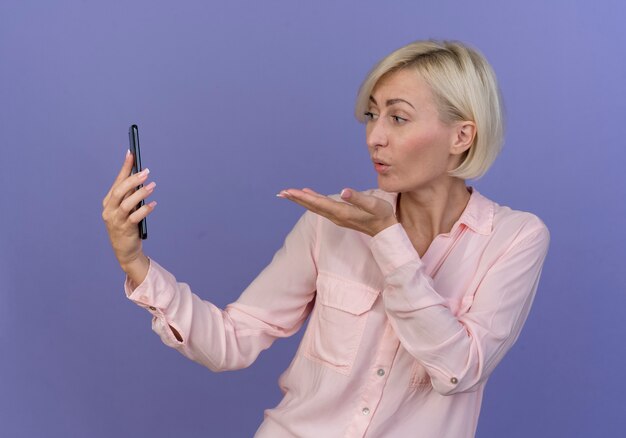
(465, 88)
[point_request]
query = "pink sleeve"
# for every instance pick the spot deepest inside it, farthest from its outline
(275, 305)
(459, 353)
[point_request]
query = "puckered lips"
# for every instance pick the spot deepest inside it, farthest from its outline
(381, 166)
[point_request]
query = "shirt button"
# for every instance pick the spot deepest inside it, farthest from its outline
(380, 372)
(152, 308)
(454, 380)
(365, 411)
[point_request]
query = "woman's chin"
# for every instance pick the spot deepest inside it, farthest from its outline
(388, 186)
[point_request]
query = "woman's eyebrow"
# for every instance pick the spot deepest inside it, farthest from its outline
(392, 102)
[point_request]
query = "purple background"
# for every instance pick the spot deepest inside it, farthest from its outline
(236, 100)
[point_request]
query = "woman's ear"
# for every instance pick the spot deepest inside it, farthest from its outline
(464, 134)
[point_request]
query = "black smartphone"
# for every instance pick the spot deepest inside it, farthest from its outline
(133, 137)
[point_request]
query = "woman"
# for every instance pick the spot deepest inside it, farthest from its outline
(417, 289)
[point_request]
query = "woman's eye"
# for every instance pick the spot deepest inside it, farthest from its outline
(369, 115)
(399, 120)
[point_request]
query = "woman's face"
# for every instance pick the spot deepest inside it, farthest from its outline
(408, 143)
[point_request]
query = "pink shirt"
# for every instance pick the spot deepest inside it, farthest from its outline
(397, 345)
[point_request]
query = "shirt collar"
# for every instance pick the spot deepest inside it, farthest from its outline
(478, 213)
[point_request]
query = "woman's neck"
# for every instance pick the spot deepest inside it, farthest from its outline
(432, 210)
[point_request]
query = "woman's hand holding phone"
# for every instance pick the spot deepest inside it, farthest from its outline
(121, 217)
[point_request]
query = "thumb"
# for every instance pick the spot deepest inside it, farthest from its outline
(368, 203)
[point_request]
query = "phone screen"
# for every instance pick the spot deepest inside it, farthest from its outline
(133, 136)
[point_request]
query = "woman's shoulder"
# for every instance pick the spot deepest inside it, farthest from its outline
(520, 223)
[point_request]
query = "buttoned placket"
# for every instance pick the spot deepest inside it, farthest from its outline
(372, 389)
(371, 394)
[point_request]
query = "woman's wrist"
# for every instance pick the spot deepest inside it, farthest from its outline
(389, 222)
(137, 270)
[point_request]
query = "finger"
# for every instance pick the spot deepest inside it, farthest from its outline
(124, 172)
(142, 212)
(129, 203)
(126, 168)
(305, 190)
(311, 192)
(322, 205)
(368, 203)
(126, 187)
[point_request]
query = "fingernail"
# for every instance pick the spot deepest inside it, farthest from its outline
(144, 172)
(150, 186)
(127, 153)
(345, 193)
(283, 194)
(152, 204)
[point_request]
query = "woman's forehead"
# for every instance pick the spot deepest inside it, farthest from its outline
(406, 84)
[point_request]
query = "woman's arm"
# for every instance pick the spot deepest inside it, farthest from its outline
(459, 353)
(121, 217)
(275, 305)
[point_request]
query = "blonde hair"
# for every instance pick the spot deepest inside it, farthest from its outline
(465, 88)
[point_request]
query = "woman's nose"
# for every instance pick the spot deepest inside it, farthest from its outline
(376, 134)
